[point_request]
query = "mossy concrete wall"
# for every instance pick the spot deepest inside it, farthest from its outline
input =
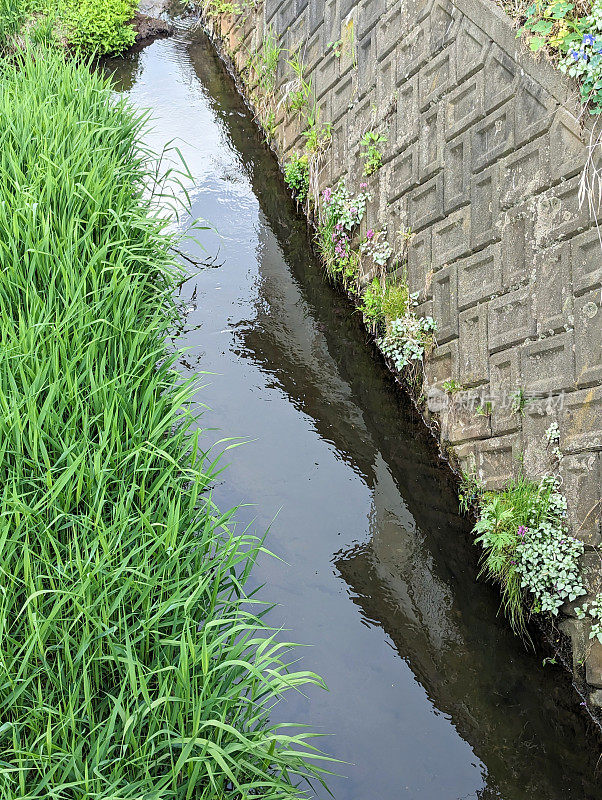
(483, 163)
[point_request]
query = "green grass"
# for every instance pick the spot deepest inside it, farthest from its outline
(88, 26)
(12, 15)
(131, 663)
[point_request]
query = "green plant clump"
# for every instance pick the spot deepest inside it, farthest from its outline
(409, 339)
(382, 303)
(371, 154)
(340, 215)
(99, 27)
(296, 175)
(131, 665)
(527, 550)
(264, 63)
(576, 39)
(86, 25)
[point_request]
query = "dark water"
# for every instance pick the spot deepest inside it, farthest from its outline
(431, 698)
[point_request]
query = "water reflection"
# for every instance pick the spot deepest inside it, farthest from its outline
(431, 697)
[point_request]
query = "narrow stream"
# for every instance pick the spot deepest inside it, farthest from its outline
(430, 697)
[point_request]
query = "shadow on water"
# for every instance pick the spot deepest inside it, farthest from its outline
(430, 696)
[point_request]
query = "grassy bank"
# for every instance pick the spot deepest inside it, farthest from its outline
(86, 25)
(130, 664)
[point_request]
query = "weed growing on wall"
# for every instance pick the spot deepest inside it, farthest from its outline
(296, 175)
(340, 214)
(593, 609)
(370, 149)
(527, 549)
(297, 93)
(383, 301)
(376, 246)
(371, 304)
(409, 339)
(264, 63)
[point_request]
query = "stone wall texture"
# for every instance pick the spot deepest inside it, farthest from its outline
(483, 163)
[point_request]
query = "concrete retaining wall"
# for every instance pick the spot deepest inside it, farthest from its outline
(483, 164)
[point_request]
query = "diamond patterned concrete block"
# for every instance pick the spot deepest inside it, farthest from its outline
(588, 339)
(456, 172)
(472, 45)
(315, 15)
(464, 106)
(326, 74)
(533, 110)
(341, 97)
(370, 13)
(499, 460)
(426, 203)
(484, 208)
(445, 294)
(552, 289)
(366, 64)
(559, 213)
(493, 137)
(479, 277)
(420, 263)
(586, 262)
(516, 243)
(525, 172)
(387, 32)
(536, 419)
(466, 417)
(474, 366)
(451, 237)
(505, 381)
(430, 142)
(404, 172)
(548, 366)
(412, 52)
(593, 663)
(581, 421)
(408, 115)
(501, 78)
(437, 77)
(285, 16)
(442, 365)
(581, 479)
(359, 122)
(511, 319)
(444, 19)
(386, 86)
(566, 141)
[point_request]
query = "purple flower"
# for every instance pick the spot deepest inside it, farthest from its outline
(327, 194)
(588, 38)
(363, 185)
(522, 530)
(370, 234)
(353, 211)
(575, 54)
